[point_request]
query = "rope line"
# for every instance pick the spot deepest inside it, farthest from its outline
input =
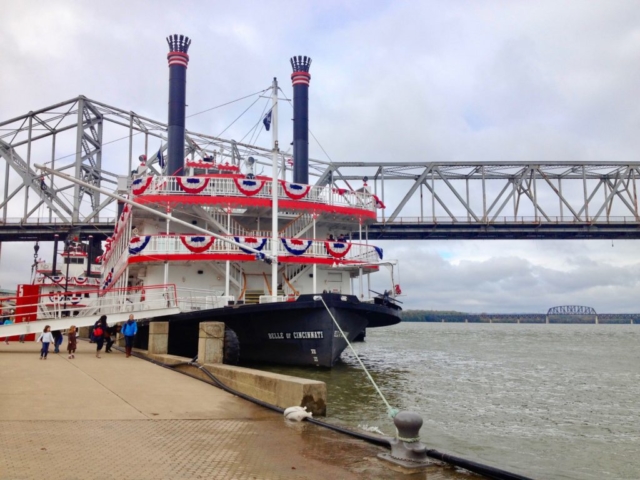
(390, 410)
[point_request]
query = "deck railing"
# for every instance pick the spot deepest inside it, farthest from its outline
(173, 244)
(227, 187)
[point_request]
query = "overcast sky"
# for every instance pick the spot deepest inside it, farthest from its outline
(403, 80)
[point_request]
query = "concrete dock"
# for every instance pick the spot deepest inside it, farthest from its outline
(126, 418)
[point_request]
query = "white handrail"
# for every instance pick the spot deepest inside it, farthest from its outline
(226, 187)
(172, 244)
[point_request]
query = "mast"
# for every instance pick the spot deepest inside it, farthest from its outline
(274, 190)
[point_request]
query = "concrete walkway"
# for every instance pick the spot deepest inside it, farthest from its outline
(126, 418)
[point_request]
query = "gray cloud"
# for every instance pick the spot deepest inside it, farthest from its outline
(402, 81)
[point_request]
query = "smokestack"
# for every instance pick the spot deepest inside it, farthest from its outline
(178, 61)
(300, 79)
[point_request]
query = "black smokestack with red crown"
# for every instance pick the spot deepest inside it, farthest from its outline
(300, 79)
(178, 61)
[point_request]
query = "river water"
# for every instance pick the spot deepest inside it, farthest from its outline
(545, 401)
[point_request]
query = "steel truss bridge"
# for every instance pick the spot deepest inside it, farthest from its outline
(424, 200)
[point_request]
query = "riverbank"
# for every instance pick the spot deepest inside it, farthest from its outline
(118, 417)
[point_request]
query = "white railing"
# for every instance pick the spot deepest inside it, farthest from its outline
(272, 299)
(194, 299)
(172, 244)
(226, 187)
(76, 304)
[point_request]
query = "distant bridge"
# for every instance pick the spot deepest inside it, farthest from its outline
(572, 310)
(582, 313)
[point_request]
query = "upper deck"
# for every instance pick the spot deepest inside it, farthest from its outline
(239, 190)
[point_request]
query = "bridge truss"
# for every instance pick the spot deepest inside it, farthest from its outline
(432, 200)
(424, 200)
(96, 143)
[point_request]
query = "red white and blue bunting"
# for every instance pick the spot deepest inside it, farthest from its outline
(55, 297)
(74, 299)
(295, 246)
(192, 185)
(252, 242)
(139, 185)
(379, 252)
(378, 202)
(248, 186)
(57, 278)
(80, 280)
(337, 249)
(108, 279)
(137, 244)
(197, 244)
(295, 191)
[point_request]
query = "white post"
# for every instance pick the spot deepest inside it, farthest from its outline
(166, 264)
(360, 269)
(315, 266)
(228, 264)
(274, 190)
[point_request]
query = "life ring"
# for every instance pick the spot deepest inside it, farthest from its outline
(142, 295)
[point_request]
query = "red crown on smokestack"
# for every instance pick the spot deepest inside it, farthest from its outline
(178, 47)
(300, 75)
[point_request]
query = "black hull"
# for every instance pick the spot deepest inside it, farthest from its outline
(291, 333)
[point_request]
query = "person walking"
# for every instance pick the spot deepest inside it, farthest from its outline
(57, 340)
(46, 338)
(109, 335)
(71, 345)
(129, 329)
(7, 321)
(98, 333)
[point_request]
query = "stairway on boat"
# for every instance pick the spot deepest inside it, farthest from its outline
(252, 297)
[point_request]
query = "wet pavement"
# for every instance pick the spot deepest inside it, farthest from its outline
(119, 418)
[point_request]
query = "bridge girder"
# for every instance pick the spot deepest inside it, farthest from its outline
(433, 199)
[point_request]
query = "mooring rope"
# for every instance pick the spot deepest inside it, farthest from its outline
(390, 410)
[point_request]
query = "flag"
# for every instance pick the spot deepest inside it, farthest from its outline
(267, 121)
(160, 158)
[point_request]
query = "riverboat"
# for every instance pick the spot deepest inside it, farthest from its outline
(270, 256)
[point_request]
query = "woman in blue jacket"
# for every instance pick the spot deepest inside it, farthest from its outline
(129, 329)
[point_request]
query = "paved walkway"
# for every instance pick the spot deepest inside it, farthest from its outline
(126, 418)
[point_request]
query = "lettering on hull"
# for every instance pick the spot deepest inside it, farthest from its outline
(296, 335)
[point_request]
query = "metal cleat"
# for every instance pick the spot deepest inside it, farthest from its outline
(406, 448)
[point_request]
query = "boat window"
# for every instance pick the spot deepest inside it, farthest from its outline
(73, 260)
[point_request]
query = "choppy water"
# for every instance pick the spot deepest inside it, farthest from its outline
(546, 401)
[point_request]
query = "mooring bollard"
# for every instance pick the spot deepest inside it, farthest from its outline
(406, 448)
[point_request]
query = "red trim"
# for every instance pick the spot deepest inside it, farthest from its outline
(253, 202)
(176, 257)
(234, 257)
(304, 74)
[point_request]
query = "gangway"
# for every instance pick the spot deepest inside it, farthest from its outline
(64, 323)
(60, 311)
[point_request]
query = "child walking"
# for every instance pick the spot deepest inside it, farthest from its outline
(71, 346)
(46, 338)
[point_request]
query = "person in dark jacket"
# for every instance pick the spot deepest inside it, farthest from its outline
(57, 340)
(109, 335)
(129, 329)
(98, 333)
